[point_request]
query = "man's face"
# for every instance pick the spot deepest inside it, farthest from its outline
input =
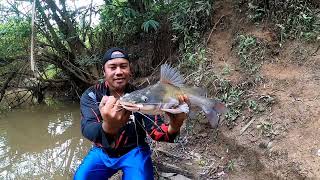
(117, 73)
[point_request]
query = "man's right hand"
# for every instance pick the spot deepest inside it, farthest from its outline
(113, 115)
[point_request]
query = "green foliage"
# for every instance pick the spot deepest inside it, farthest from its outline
(222, 89)
(293, 18)
(14, 44)
(87, 61)
(150, 24)
(51, 71)
(193, 56)
(303, 24)
(267, 129)
(231, 165)
(251, 53)
(233, 96)
(256, 13)
(119, 22)
(189, 20)
(14, 38)
(122, 23)
(260, 104)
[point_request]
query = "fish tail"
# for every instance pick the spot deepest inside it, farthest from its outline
(212, 109)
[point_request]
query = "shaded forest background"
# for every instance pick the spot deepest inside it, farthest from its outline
(69, 42)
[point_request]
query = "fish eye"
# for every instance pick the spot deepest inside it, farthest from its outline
(144, 98)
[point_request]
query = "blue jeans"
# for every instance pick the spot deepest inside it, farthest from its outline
(136, 164)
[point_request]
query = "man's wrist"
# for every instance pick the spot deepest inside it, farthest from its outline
(107, 128)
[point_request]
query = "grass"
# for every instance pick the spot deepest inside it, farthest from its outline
(230, 165)
(267, 129)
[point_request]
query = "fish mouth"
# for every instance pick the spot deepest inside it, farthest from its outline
(138, 107)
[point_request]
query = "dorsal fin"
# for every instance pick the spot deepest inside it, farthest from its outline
(171, 75)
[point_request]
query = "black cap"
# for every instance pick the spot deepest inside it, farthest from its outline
(108, 55)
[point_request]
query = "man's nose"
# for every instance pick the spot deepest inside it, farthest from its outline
(118, 70)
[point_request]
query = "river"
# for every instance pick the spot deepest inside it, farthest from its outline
(41, 142)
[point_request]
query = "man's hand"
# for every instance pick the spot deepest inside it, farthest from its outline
(113, 115)
(176, 120)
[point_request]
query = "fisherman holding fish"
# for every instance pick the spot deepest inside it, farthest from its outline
(118, 126)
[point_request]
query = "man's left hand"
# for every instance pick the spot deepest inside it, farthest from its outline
(176, 120)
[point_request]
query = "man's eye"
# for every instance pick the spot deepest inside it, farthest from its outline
(113, 68)
(123, 66)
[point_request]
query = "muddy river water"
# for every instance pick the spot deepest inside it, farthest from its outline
(41, 142)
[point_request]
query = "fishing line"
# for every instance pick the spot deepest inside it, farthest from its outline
(135, 126)
(158, 127)
(143, 127)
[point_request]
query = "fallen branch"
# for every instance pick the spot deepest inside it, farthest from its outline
(20, 101)
(166, 167)
(246, 126)
(168, 154)
(5, 84)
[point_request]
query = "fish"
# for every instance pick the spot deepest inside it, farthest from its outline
(163, 96)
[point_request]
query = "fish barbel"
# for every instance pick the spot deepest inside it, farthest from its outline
(163, 97)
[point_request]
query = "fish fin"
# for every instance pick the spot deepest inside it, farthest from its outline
(198, 91)
(219, 106)
(171, 75)
(192, 114)
(182, 108)
(171, 103)
(212, 117)
(212, 112)
(172, 111)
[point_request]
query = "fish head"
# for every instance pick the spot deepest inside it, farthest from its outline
(142, 96)
(146, 100)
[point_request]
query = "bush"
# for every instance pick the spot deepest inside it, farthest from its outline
(189, 20)
(251, 53)
(119, 23)
(14, 38)
(293, 18)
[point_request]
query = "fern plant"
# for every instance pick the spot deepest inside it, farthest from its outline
(150, 24)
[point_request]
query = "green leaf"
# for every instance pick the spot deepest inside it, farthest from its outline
(147, 25)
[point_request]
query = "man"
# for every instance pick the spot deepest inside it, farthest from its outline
(119, 139)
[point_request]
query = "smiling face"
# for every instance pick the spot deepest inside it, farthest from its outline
(117, 73)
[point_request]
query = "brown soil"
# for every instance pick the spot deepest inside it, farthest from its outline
(290, 148)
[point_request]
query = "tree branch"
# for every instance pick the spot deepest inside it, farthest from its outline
(55, 38)
(67, 28)
(5, 85)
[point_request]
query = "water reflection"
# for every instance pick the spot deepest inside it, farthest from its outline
(41, 143)
(59, 125)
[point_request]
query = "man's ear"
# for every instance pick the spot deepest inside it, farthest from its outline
(103, 71)
(131, 70)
